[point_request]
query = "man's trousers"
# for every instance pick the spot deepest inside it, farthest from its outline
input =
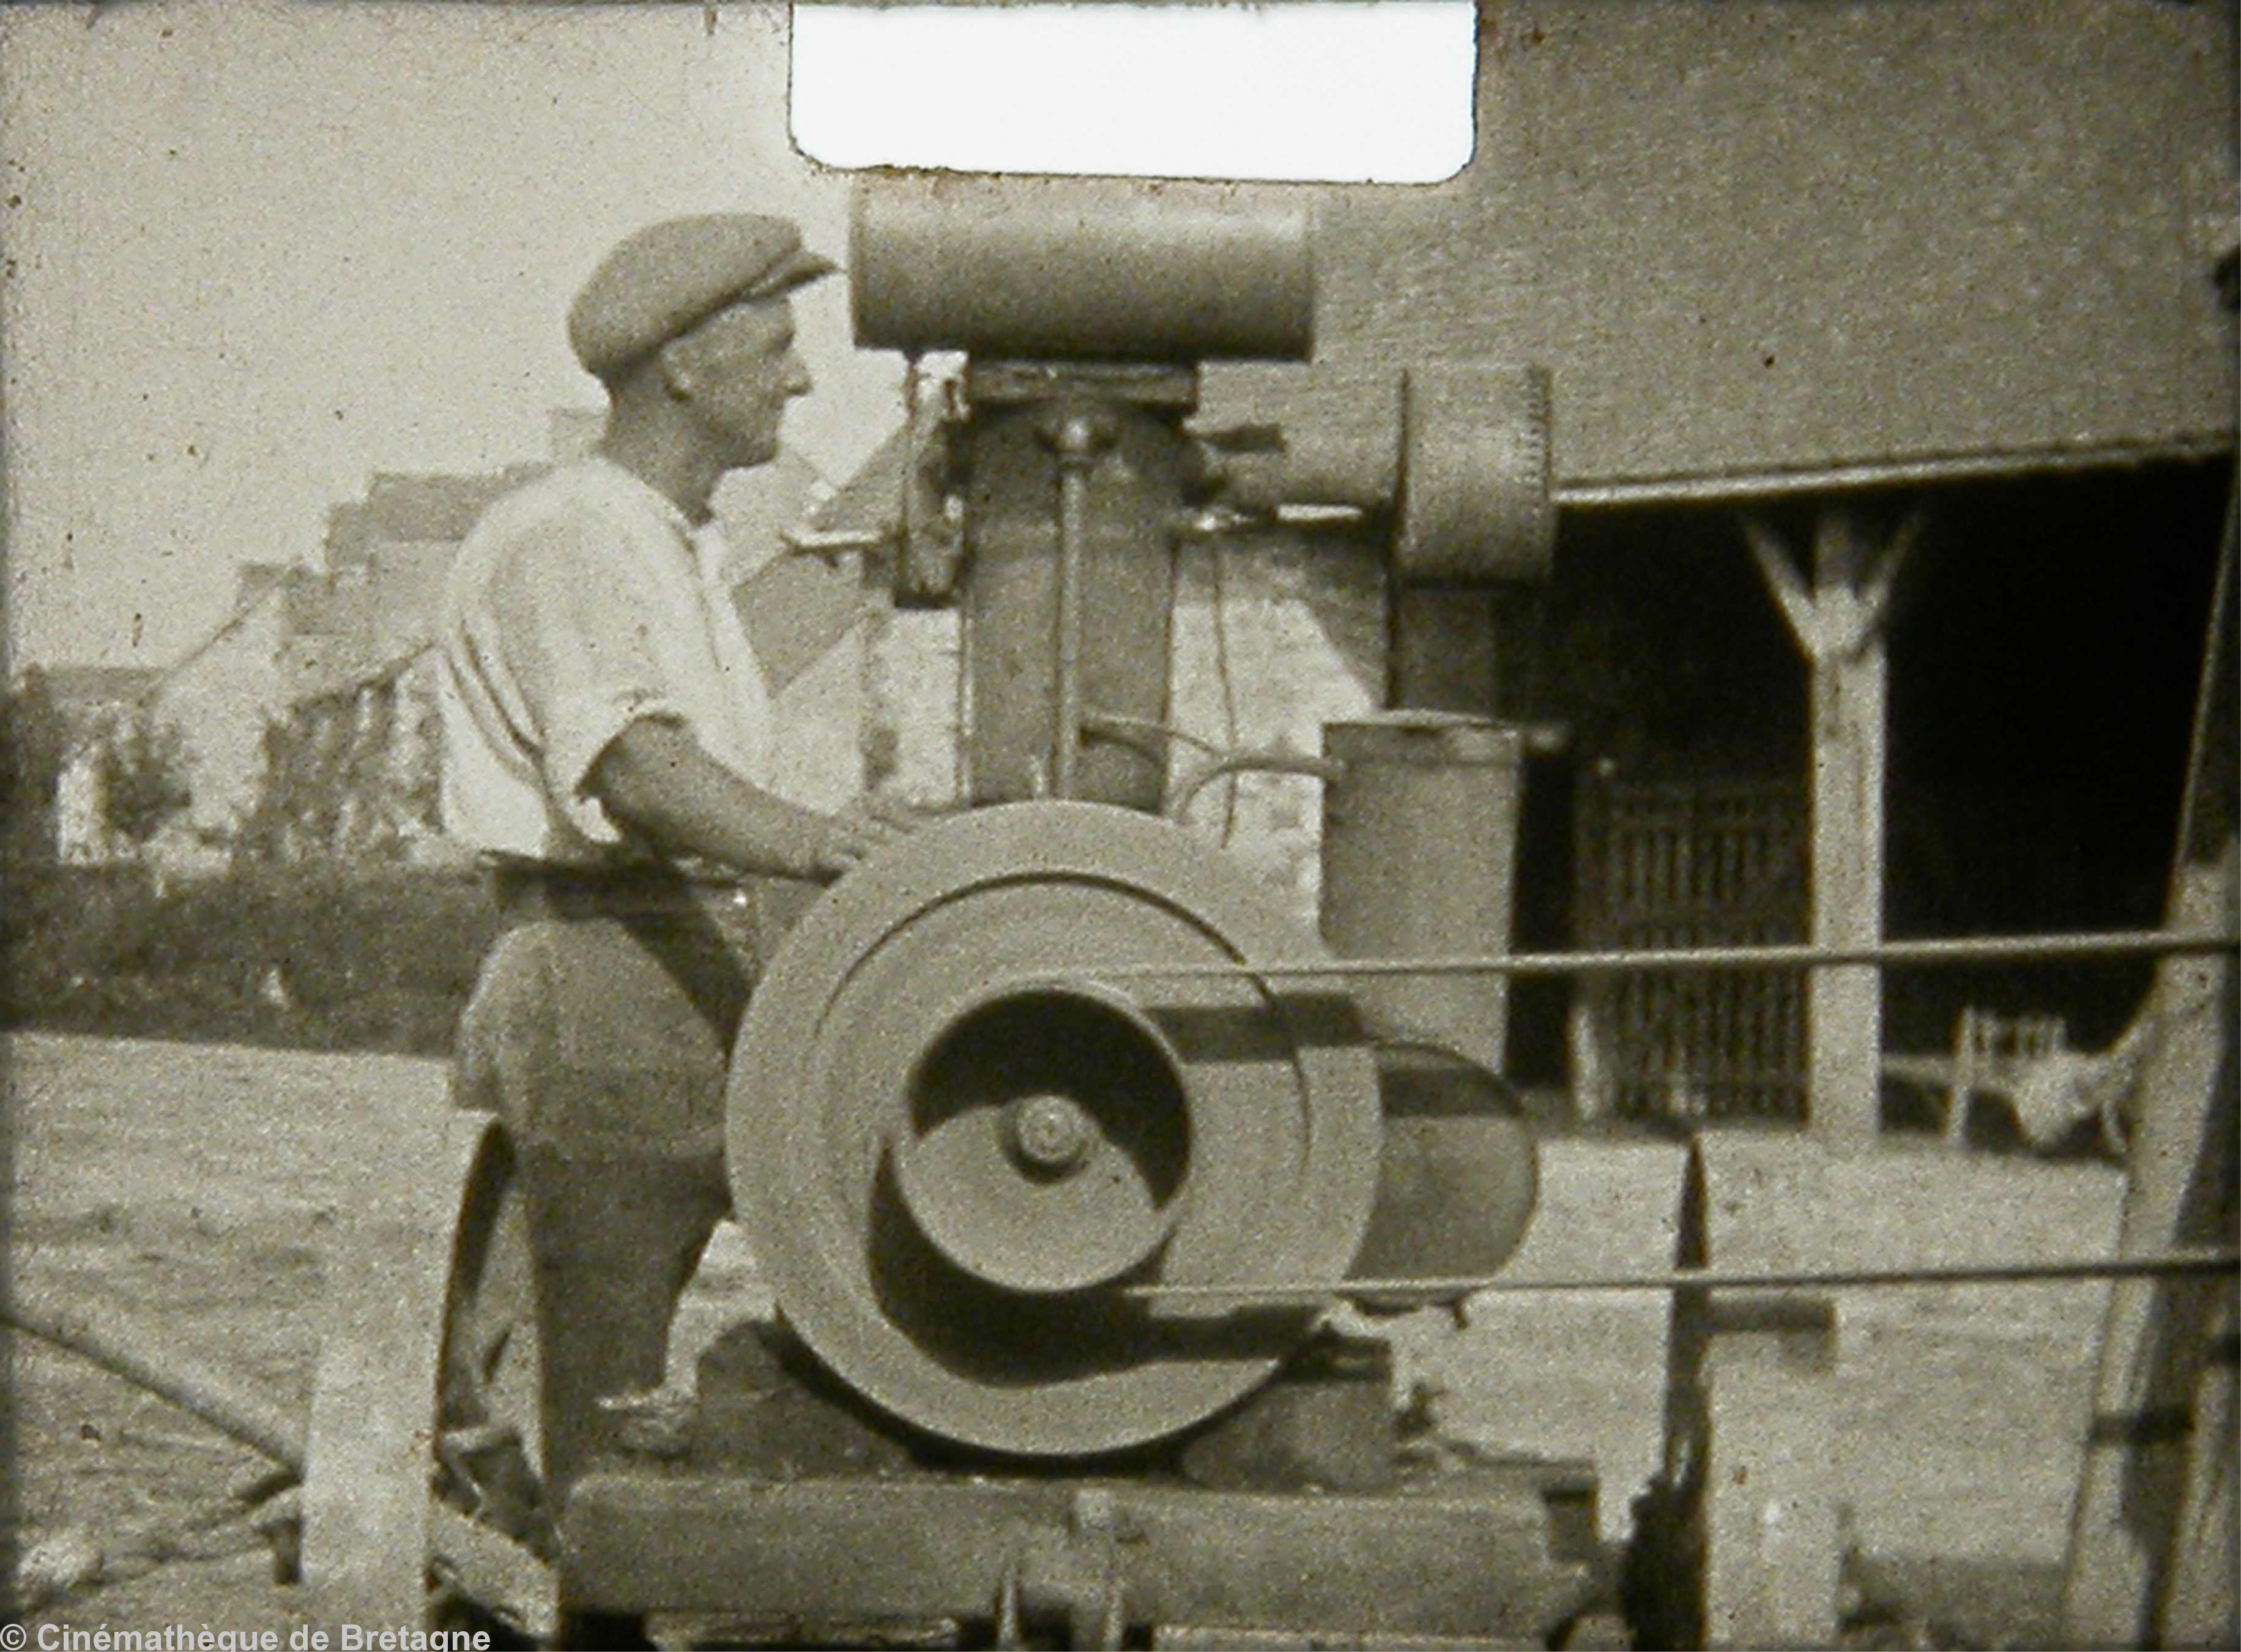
(600, 1032)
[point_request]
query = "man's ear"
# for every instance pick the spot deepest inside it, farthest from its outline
(680, 371)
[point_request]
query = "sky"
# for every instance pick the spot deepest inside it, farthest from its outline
(256, 250)
(252, 251)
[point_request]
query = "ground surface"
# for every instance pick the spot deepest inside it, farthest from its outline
(197, 1188)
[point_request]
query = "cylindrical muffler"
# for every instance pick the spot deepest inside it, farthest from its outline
(1068, 269)
(1419, 852)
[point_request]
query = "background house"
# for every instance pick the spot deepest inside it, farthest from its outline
(91, 702)
(308, 715)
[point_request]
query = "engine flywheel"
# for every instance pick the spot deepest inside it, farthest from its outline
(953, 1142)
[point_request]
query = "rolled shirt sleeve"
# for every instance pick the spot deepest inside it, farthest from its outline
(578, 607)
(577, 640)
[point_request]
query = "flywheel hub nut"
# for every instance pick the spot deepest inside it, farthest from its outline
(1050, 1133)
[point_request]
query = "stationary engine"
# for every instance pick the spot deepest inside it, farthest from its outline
(1017, 1097)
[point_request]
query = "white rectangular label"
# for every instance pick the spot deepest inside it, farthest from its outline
(1306, 91)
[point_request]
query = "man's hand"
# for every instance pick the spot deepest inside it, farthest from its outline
(861, 828)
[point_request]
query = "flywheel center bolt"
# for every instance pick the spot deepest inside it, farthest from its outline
(1050, 1133)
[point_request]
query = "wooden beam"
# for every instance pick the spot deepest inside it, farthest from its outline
(1837, 621)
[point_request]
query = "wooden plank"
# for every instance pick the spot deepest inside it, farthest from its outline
(1480, 1556)
(373, 1401)
(2142, 1451)
(1772, 1547)
(2152, 1558)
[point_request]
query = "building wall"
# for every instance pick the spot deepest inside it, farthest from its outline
(79, 833)
(407, 594)
(1274, 635)
(218, 701)
(1752, 238)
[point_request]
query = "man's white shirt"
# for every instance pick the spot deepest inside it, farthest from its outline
(579, 605)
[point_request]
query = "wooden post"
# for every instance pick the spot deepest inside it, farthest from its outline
(1774, 1549)
(2151, 1535)
(1838, 624)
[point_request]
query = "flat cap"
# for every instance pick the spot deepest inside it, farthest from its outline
(672, 275)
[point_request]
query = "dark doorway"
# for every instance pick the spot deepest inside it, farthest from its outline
(2045, 643)
(2046, 653)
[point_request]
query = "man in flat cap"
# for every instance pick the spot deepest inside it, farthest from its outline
(606, 740)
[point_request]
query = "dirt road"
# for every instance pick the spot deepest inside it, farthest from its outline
(197, 1188)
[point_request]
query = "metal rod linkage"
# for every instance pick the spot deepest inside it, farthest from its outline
(1434, 1291)
(1987, 949)
(1078, 438)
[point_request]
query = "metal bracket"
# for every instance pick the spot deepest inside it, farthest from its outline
(1075, 1577)
(931, 554)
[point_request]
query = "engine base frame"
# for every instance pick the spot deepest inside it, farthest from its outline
(1490, 1555)
(788, 1512)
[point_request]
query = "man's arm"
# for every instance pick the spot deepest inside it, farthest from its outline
(654, 779)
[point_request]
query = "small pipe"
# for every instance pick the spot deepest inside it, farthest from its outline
(1146, 734)
(1066, 735)
(96, 1333)
(1965, 950)
(1434, 1291)
(1326, 769)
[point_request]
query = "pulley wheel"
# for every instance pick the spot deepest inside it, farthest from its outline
(955, 1142)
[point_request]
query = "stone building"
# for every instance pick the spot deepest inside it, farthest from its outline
(308, 713)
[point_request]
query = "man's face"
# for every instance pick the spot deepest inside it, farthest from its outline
(739, 369)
